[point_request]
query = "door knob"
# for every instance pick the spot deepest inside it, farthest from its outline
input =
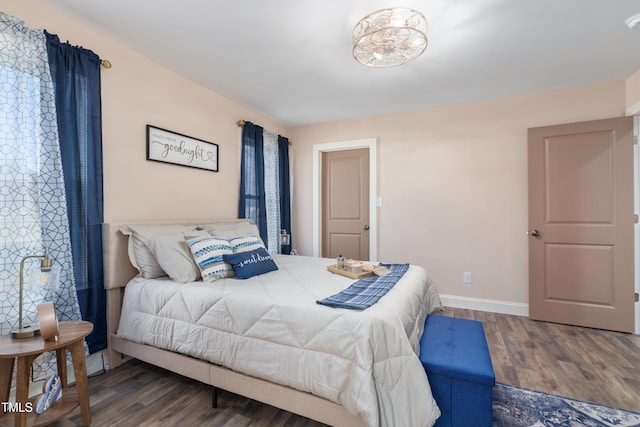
(534, 233)
(366, 227)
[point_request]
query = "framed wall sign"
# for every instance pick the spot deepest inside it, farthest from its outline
(175, 148)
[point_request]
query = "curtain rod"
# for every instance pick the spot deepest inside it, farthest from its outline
(105, 63)
(240, 124)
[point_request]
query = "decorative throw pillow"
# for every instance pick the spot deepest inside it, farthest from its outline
(246, 243)
(251, 263)
(208, 252)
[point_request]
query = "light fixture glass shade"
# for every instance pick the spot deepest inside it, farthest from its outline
(47, 277)
(42, 278)
(390, 37)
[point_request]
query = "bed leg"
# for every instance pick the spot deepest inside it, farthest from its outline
(114, 359)
(114, 305)
(214, 397)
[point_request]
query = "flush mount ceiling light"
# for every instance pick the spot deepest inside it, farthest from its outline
(632, 21)
(390, 37)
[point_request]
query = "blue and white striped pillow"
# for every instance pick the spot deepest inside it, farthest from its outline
(207, 252)
(245, 244)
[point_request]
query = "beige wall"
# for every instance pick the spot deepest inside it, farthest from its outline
(453, 179)
(137, 92)
(454, 184)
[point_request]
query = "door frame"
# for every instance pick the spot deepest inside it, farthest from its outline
(636, 206)
(318, 149)
(634, 111)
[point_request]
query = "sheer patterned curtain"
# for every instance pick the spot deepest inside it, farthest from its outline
(33, 209)
(272, 191)
(265, 185)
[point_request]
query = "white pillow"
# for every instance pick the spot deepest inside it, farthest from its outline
(231, 229)
(174, 257)
(140, 255)
(207, 252)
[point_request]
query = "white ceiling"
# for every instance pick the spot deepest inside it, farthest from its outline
(291, 59)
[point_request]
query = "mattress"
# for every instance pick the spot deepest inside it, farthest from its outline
(270, 327)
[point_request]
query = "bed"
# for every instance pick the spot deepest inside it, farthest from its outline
(266, 338)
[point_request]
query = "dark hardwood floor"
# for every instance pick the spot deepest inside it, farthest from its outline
(581, 363)
(586, 364)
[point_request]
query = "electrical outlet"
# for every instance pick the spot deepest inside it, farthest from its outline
(466, 277)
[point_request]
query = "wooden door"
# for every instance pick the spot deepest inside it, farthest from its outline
(581, 218)
(345, 204)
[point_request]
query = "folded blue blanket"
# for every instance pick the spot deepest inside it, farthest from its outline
(366, 292)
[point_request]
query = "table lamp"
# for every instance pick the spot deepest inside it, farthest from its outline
(46, 276)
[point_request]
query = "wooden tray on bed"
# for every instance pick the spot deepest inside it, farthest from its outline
(334, 269)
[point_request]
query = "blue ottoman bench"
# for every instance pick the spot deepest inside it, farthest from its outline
(456, 357)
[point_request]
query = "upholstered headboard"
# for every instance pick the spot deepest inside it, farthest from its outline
(118, 271)
(117, 267)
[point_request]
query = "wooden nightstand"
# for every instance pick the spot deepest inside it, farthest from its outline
(26, 350)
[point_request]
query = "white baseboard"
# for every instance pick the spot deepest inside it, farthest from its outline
(493, 306)
(95, 363)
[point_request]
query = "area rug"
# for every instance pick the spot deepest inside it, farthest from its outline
(519, 407)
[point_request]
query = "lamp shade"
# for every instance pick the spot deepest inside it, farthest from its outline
(44, 277)
(390, 37)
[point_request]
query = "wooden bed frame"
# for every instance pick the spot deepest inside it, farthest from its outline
(117, 273)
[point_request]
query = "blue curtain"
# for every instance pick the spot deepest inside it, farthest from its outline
(252, 198)
(285, 190)
(255, 166)
(76, 76)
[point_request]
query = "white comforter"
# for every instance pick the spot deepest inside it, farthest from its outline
(270, 327)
